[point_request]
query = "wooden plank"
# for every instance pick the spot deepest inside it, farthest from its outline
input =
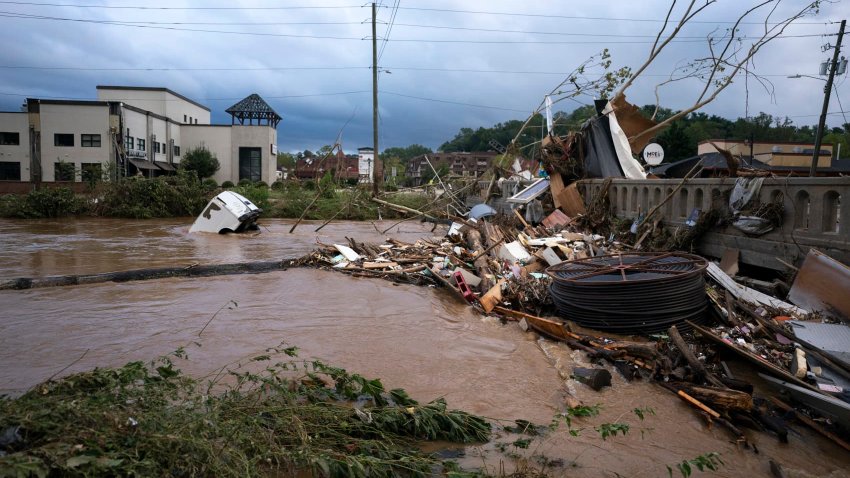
(571, 201)
(693, 401)
(556, 185)
(379, 265)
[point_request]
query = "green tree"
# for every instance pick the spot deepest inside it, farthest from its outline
(286, 160)
(200, 160)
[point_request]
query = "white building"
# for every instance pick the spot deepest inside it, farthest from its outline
(132, 130)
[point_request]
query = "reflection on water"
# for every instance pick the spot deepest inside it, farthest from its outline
(87, 246)
(411, 337)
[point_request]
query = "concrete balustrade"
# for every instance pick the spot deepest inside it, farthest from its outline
(816, 214)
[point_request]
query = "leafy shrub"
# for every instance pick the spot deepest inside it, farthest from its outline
(245, 182)
(261, 184)
(278, 185)
(210, 184)
(200, 160)
(227, 185)
(165, 196)
(256, 194)
(41, 203)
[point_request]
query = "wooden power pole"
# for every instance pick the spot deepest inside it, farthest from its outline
(377, 170)
(827, 90)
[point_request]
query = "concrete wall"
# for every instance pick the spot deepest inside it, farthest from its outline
(262, 137)
(816, 214)
(217, 139)
(157, 100)
(76, 119)
(13, 122)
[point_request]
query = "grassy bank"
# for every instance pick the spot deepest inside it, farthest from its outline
(184, 195)
(292, 416)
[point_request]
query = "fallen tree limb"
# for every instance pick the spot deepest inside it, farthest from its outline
(404, 209)
(194, 270)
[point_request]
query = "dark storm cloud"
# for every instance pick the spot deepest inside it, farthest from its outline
(419, 102)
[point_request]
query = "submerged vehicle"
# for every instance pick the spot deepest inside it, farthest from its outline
(227, 212)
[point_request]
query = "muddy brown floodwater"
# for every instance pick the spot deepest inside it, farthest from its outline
(412, 337)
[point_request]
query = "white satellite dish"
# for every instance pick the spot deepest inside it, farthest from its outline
(653, 154)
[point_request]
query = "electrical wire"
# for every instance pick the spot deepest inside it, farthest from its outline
(138, 7)
(607, 19)
(389, 29)
(435, 100)
(154, 27)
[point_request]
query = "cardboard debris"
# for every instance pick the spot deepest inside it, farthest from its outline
(549, 256)
(513, 251)
(556, 219)
(729, 262)
(493, 297)
(571, 201)
(815, 287)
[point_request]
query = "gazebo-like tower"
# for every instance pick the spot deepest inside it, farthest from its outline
(253, 108)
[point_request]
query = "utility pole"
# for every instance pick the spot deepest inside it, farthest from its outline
(377, 172)
(827, 90)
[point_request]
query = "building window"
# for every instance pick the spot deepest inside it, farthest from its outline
(10, 171)
(64, 171)
(177, 151)
(91, 172)
(128, 143)
(60, 139)
(90, 140)
(190, 120)
(140, 144)
(250, 164)
(196, 120)
(184, 118)
(155, 147)
(10, 139)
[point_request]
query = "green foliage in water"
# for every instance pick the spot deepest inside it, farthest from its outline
(166, 196)
(292, 198)
(151, 420)
(257, 194)
(43, 203)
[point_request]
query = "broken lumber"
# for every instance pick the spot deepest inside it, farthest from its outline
(696, 365)
(721, 398)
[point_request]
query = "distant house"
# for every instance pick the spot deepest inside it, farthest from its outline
(341, 166)
(457, 164)
(133, 130)
(780, 158)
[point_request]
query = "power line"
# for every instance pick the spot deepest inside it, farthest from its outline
(271, 68)
(159, 26)
(330, 68)
(88, 98)
(389, 29)
(138, 7)
(154, 27)
(605, 35)
(443, 10)
(452, 102)
(578, 17)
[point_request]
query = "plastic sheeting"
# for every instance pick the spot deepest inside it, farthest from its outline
(607, 150)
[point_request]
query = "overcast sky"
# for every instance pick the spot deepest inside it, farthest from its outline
(445, 64)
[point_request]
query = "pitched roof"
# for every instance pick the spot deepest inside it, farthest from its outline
(253, 106)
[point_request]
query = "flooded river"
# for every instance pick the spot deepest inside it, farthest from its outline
(412, 337)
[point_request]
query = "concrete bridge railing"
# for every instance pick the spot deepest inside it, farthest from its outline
(816, 213)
